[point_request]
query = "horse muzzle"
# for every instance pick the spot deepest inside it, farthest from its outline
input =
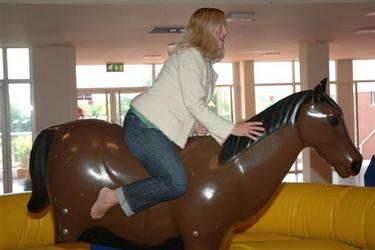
(356, 166)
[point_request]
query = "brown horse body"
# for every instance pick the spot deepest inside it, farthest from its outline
(84, 156)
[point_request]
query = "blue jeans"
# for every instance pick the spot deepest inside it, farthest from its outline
(158, 155)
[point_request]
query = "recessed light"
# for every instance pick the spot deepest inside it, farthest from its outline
(365, 31)
(370, 14)
(241, 17)
(151, 57)
(261, 52)
(271, 54)
(167, 30)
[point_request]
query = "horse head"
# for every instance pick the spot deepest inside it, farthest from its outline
(322, 127)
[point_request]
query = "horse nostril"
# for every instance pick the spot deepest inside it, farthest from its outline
(356, 166)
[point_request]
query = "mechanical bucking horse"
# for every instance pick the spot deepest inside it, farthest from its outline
(227, 184)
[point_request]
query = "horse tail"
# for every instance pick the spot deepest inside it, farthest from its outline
(38, 171)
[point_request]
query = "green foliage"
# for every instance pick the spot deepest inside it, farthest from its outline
(21, 147)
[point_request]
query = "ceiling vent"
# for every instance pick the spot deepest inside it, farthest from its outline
(166, 30)
(365, 31)
(241, 17)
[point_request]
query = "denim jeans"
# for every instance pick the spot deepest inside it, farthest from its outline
(158, 155)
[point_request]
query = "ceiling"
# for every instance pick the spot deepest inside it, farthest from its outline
(117, 30)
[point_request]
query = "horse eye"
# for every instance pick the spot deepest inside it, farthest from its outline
(334, 121)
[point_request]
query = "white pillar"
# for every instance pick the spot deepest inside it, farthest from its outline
(236, 92)
(314, 66)
(345, 93)
(247, 91)
(54, 92)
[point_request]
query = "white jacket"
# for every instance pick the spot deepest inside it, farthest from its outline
(179, 97)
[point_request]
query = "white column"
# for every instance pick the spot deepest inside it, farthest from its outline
(236, 92)
(247, 91)
(345, 93)
(314, 66)
(54, 92)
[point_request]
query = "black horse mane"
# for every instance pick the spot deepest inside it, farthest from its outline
(279, 115)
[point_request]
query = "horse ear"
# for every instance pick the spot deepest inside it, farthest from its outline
(323, 83)
(319, 90)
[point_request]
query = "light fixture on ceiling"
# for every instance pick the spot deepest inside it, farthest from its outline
(148, 57)
(240, 17)
(370, 14)
(167, 30)
(365, 30)
(261, 52)
(271, 54)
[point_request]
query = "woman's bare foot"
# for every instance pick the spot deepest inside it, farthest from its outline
(107, 198)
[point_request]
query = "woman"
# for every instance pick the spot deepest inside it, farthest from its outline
(169, 111)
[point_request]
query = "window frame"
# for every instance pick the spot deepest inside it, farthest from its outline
(7, 175)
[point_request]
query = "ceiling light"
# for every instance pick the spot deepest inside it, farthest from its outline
(167, 30)
(240, 16)
(370, 14)
(271, 54)
(151, 56)
(261, 52)
(365, 31)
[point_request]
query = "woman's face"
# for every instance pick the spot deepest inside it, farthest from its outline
(220, 34)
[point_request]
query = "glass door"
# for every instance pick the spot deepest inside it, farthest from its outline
(20, 135)
(109, 105)
(123, 105)
(93, 105)
(15, 120)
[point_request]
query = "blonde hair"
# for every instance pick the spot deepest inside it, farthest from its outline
(199, 33)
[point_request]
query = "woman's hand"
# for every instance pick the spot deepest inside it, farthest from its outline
(248, 129)
(200, 129)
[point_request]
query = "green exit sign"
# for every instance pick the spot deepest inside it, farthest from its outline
(115, 67)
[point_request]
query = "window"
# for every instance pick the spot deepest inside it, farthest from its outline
(124, 100)
(93, 106)
(95, 76)
(221, 102)
(107, 96)
(1, 65)
(15, 119)
(222, 99)
(273, 72)
(268, 95)
(363, 70)
(158, 69)
(18, 63)
(364, 75)
(364, 89)
(273, 82)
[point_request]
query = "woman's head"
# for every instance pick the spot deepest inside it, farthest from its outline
(206, 31)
